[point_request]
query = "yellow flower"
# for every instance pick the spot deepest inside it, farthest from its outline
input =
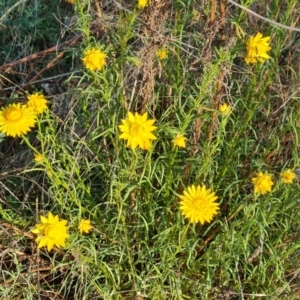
(162, 53)
(51, 232)
(262, 183)
(225, 109)
(137, 130)
(288, 176)
(94, 59)
(71, 1)
(143, 3)
(85, 226)
(38, 158)
(16, 119)
(179, 141)
(257, 48)
(37, 102)
(198, 204)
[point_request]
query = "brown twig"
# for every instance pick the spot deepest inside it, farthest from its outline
(16, 229)
(222, 10)
(42, 53)
(263, 18)
(212, 11)
(48, 66)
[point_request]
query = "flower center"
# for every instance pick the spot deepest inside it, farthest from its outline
(14, 115)
(264, 183)
(52, 231)
(199, 204)
(136, 130)
(91, 59)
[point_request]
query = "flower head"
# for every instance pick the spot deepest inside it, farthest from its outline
(38, 158)
(94, 59)
(198, 204)
(16, 119)
(225, 109)
(71, 1)
(37, 102)
(85, 226)
(137, 130)
(262, 183)
(162, 53)
(288, 176)
(51, 232)
(257, 48)
(143, 3)
(179, 141)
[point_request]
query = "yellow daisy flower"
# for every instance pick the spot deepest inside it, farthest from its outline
(179, 141)
(37, 102)
(16, 119)
(162, 53)
(85, 226)
(225, 109)
(198, 204)
(288, 176)
(143, 3)
(262, 183)
(137, 130)
(51, 232)
(257, 48)
(94, 59)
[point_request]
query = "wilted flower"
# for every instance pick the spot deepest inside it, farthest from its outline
(198, 204)
(262, 183)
